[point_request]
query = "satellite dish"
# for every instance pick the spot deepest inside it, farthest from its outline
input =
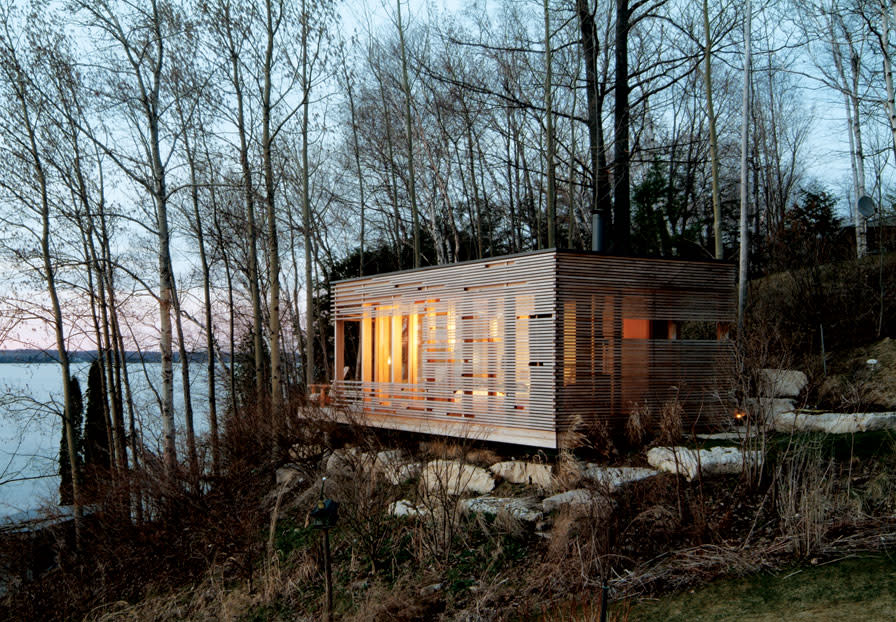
(866, 206)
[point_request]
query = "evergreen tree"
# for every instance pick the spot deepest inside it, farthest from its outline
(96, 438)
(66, 496)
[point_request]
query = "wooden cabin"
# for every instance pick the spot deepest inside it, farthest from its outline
(535, 348)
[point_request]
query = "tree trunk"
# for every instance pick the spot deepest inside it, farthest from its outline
(744, 176)
(273, 246)
(249, 199)
(189, 429)
(50, 279)
(412, 186)
(622, 158)
(886, 7)
(207, 308)
(850, 85)
(357, 154)
(306, 217)
(713, 141)
(551, 194)
(589, 55)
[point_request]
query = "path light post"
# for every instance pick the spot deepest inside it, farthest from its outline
(324, 516)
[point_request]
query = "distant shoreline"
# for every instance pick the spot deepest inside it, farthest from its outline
(24, 356)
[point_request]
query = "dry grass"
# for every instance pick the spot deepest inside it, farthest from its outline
(637, 424)
(653, 536)
(567, 472)
(670, 424)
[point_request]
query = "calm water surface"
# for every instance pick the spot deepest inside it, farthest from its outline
(30, 424)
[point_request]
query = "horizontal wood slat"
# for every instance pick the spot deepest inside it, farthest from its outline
(604, 373)
(526, 348)
(485, 354)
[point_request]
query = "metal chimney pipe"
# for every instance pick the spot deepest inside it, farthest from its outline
(597, 232)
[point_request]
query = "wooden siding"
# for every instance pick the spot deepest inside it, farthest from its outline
(626, 338)
(483, 363)
(529, 348)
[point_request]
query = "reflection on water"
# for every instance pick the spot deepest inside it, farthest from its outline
(30, 425)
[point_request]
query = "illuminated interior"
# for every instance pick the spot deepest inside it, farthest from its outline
(390, 346)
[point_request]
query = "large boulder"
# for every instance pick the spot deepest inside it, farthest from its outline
(342, 460)
(782, 382)
(523, 509)
(391, 463)
(579, 498)
(691, 462)
(404, 508)
(394, 466)
(398, 474)
(833, 423)
(289, 475)
(529, 473)
(453, 477)
(614, 477)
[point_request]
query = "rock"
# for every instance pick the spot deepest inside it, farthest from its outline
(764, 408)
(523, 509)
(454, 478)
(689, 462)
(577, 498)
(429, 590)
(388, 457)
(393, 467)
(289, 475)
(403, 508)
(833, 423)
(530, 473)
(400, 473)
(614, 477)
(342, 460)
(739, 434)
(782, 382)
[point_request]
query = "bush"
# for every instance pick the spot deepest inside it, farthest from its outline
(853, 302)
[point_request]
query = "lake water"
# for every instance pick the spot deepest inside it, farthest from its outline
(30, 424)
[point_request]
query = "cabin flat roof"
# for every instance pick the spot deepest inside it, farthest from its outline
(544, 251)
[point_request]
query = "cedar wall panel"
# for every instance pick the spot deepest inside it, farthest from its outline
(484, 362)
(529, 348)
(641, 332)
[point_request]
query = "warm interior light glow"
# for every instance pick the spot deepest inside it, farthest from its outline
(635, 328)
(739, 413)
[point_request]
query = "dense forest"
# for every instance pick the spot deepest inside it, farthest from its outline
(192, 175)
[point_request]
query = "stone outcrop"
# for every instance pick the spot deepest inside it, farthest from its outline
(529, 473)
(455, 478)
(342, 460)
(576, 499)
(614, 477)
(289, 475)
(691, 462)
(404, 508)
(782, 382)
(391, 463)
(397, 474)
(833, 423)
(523, 509)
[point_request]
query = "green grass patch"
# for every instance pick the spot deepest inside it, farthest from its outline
(853, 589)
(291, 536)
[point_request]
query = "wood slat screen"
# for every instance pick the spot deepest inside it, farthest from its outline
(464, 349)
(642, 333)
(528, 348)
